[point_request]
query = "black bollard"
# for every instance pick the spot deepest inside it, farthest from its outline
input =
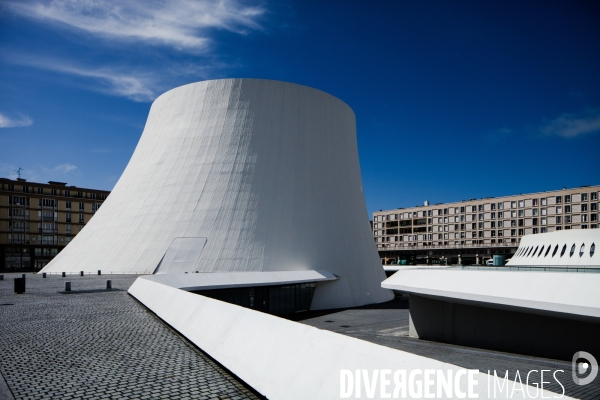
(67, 286)
(43, 274)
(108, 284)
(64, 274)
(99, 272)
(80, 273)
(19, 285)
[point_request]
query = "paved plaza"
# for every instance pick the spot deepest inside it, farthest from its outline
(96, 344)
(387, 325)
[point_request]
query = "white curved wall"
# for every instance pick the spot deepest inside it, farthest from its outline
(267, 171)
(533, 249)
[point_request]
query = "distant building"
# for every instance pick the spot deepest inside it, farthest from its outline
(471, 231)
(37, 220)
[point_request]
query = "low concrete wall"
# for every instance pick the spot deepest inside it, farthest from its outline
(281, 359)
(513, 331)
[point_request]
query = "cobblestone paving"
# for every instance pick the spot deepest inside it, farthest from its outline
(98, 345)
(387, 325)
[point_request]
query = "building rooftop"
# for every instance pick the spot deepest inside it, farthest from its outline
(387, 325)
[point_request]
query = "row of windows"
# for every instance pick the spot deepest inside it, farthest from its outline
(474, 234)
(54, 192)
(583, 197)
(48, 203)
(490, 225)
(530, 252)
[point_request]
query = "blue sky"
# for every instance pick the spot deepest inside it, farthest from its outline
(453, 100)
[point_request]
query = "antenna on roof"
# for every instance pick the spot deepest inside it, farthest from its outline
(18, 171)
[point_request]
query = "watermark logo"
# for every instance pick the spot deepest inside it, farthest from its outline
(588, 366)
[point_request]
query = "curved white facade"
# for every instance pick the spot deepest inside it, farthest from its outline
(573, 248)
(266, 171)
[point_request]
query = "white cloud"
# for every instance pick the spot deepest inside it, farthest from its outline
(40, 173)
(21, 120)
(64, 168)
(133, 84)
(181, 24)
(572, 125)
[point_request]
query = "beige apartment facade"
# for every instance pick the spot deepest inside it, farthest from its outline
(37, 220)
(472, 231)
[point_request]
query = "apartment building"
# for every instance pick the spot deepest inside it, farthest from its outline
(472, 231)
(37, 220)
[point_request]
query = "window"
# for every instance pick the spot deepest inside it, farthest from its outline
(68, 206)
(567, 219)
(535, 202)
(493, 216)
(81, 206)
(535, 221)
(500, 224)
(53, 192)
(513, 222)
(521, 222)
(594, 206)
(543, 201)
(473, 209)
(81, 218)
(481, 217)
(562, 252)
(534, 211)
(521, 232)
(501, 206)
(555, 250)
(68, 217)
(462, 209)
(481, 207)
(558, 199)
(567, 209)
(582, 250)
(493, 224)
(40, 190)
(513, 214)
(67, 193)
(594, 217)
(567, 198)
(572, 250)
(548, 251)
(513, 232)
(584, 197)
(521, 203)
(68, 228)
(592, 248)
(521, 213)
(594, 196)
(493, 206)
(543, 211)
(513, 204)
(535, 230)
(559, 220)
(584, 218)
(544, 221)
(584, 208)
(541, 250)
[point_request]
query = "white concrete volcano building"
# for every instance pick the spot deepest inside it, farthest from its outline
(240, 175)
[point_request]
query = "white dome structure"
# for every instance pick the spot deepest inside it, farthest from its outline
(264, 175)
